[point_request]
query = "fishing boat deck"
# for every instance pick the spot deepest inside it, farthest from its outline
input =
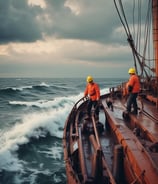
(149, 107)
(89, 148)
(147, 117)
(146, 121)
(86, 145)
(124, 129)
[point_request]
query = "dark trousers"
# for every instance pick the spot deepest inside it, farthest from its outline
(95, 105)
(132, 100)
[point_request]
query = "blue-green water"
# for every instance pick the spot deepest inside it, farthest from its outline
(32, 117)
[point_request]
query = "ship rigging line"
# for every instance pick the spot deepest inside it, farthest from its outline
(136, 54)
(127, 30)
(128, 33)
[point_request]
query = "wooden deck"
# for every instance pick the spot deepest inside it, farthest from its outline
(136, 147)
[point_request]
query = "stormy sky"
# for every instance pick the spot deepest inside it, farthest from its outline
(63, 38)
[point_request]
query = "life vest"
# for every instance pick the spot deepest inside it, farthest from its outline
(93, 91)
(134, 84)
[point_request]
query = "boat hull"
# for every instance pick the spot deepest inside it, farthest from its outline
(92, 149)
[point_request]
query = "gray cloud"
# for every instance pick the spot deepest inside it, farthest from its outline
(96, 21)
(18, 22)
(65, 35)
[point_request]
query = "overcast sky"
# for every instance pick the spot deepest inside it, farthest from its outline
(62, 38)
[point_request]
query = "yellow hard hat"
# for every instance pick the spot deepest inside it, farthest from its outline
(89, 79)
(131, 71)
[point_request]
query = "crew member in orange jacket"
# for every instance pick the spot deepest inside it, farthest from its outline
(133, 87)
(93, 91)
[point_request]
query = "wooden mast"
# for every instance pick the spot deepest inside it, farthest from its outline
(155, 40)
(155, 34)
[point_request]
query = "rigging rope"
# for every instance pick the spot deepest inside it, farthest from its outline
(136, 48)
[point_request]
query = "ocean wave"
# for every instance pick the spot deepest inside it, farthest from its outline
(44, 84)
(15, 88)
(33, 125)
(62, 87)
(42, 88)
(54, 103)
(38, 103)
(31, 137)
(45, 125)
(8, 91)
(21, 88)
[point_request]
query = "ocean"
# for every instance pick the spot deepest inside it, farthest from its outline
(33, 112)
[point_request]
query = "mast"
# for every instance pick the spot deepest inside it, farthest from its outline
(155, 40)
(155, 34)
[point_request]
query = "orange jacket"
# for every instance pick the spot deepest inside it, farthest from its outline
(93, 90)
(134, 83)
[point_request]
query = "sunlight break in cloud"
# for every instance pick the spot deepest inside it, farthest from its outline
(40, 3)
(74, 6)
(4, 50)
(64, 50)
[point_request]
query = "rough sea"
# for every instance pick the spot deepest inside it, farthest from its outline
(33, 112)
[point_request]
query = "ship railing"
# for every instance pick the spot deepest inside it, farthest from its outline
(100, 169)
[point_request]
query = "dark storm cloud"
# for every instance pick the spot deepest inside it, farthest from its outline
(63, 35)
(96, 21)
(18, 21)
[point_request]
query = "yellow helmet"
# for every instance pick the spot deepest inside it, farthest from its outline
(89, 79)
(131, 71)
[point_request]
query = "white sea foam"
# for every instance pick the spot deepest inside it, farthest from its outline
(51, 120)
(55, 152)
(38, 103)
(21, 88)
(104, 91)
(44, 84)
